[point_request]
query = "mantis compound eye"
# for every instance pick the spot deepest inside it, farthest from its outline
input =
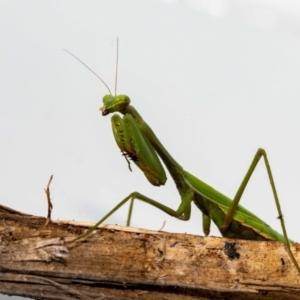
(108, 104)
(121, 101)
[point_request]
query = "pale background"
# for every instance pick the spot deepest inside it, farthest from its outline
(215, 79)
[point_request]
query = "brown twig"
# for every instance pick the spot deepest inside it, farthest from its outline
(50, 206)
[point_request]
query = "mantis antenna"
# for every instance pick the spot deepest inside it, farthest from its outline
(117, 64)
(92, 70)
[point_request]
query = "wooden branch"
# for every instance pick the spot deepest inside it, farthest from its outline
(126, 263)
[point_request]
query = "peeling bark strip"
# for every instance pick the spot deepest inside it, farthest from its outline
(127, 263)
(34, 249)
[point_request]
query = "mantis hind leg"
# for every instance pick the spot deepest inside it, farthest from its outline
(183, 212)
(231, 211)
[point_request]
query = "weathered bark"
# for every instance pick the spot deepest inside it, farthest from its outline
(126, 263)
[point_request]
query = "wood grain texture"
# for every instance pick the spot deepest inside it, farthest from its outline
(125, 263)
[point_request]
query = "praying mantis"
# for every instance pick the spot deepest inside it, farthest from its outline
(140, 145)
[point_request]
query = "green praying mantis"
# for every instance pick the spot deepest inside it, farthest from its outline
(139, 144)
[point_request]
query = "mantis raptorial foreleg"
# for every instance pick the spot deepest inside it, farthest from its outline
(139, 144)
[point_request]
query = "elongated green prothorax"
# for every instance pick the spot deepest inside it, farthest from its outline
(138, 143)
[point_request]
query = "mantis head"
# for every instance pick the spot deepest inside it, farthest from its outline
(114, 104)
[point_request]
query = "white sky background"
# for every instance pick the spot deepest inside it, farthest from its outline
(215, 80)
